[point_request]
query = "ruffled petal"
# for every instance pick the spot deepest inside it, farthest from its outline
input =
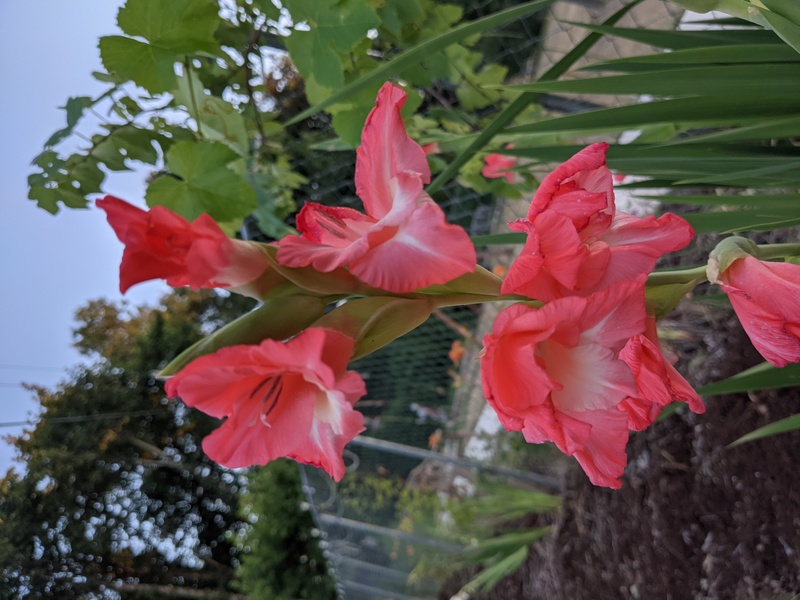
(330, 238)
(385, 151)
(603, 456)
(579, 189)
(419, 251)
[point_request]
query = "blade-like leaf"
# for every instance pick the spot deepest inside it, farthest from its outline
(494, 239)
(706, 56)
(418, 52)
(742, 220)
(760, 377)
(677, 40)
(706, 111)
(783, 426)
(516, 107)
(772, 79)
(757, 200)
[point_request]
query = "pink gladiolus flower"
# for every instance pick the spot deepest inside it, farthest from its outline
(497, 166)
(291, 399)
(766, 298)
(403, 242)
(657, 381)
(160, 244)
(555, 374)
(578, 243)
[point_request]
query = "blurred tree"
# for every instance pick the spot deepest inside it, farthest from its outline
(284, 561)
(116, 497)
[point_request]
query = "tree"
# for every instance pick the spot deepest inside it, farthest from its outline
(117, 497)
(284, 561)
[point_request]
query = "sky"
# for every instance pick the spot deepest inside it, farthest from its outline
(49, 265)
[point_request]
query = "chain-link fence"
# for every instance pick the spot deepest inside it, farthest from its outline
(387, 527)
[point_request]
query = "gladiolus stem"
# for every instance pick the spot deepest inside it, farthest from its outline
(770, 251)
(678, 276)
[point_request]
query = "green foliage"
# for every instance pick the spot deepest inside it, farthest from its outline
(172, 31)
(282, 558)
(203, 177)
(783, 426)
(117, 498)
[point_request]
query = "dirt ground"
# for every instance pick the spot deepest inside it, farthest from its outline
(694, 519)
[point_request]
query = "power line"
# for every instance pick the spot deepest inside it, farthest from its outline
(82, 418)
(30, 367)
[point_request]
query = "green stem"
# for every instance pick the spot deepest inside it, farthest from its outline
(678, 276)
(770, 251)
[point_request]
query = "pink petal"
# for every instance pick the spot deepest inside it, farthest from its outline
(324, 447)
(615, 314)
(603, 457)
(330, 238)
(637, 243)
(579, 189)
(766, 298)
(498, 165)
(248, 438)
(550, 262)
(421, 250)
(385, 151)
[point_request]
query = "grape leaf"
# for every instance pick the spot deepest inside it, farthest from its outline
(206, 179)
(123, 143)
(333, 28)
(218, 120)
(67, 181)
(172, 30)
(74, 108)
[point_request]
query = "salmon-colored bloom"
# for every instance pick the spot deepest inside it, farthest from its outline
(498, 165)
(577, 242)
(403, 242)
(766, 298)
(658, 383)
(555, 374)
(160, 244)
(291, 399)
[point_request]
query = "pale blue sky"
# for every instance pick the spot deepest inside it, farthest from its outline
(49, 266)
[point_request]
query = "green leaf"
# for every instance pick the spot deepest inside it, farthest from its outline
(182, 26)
(680, 40)
(781, 79)
(334, 27)
(491, 576)
(145, 65)
(277, 318)
(755, 200)
(74, 108)
(743, 220)
(760, 377)
(705, 56)
(207, 182)
(706, 110)
(784, 425)
(269, 9)
(377, 321)
(418, 53)
(126, 143)
(218, 120)
(494, 239)
(520, 104)
(172, 30)
(68, 182)
(786, 25)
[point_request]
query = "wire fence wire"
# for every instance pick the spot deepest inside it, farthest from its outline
(385, 528)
